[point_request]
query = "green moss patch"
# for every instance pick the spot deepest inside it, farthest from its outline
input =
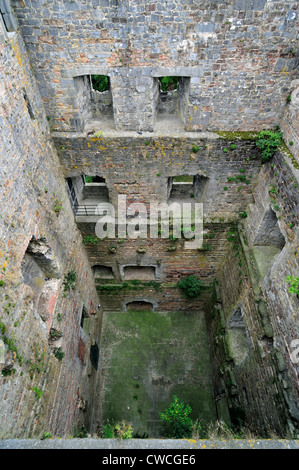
(228, 135)
(149, 356)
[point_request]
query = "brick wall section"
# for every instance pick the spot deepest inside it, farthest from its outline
(171, 266)
(31, 181)
(140, 167)
(240, 55)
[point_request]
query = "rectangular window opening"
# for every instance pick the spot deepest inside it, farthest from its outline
(171, 96)
(28, 104)
(95, 103)
(85, 320)
(141, 273)
(7, 16)
(86, 193)
(186, 188)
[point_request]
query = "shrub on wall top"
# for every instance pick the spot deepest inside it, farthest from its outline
(268, 142)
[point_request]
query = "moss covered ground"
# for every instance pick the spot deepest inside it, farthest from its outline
(146, 358)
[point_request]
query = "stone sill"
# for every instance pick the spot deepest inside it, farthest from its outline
(160, 444)
(117, 134)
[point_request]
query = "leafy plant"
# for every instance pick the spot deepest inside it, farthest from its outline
(80, 432)
(100, 82)
(121, 430)
(38, 392)
(191, 286)
(195, 148)
(169, 83)
(98, 134)
(88, 179)
(8, 373)
(37, 364)
(108, 431)
(46, 435)
(69, 281)
(91, 240)
(273, 189)
(54, 334)
(243, 214)
(58, 353)
(11, 346)
(58, 206)
(268, 142)
(294, 287)
(2, 328)
(178, 422)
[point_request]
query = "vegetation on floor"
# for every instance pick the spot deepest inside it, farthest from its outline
(120, 430)
(177, 420)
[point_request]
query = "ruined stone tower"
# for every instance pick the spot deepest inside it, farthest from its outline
(97, 329)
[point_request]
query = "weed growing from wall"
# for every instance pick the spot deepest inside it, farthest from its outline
(69, 282)
(58, 353)
(190, 286)
(91, 240)
(38, 392)
(294, 287)
(268, 142)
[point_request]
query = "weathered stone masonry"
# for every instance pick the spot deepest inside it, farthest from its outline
(240, 57)
(38, 248)
(237, 68)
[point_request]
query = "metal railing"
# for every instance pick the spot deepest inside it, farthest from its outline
(91, 210)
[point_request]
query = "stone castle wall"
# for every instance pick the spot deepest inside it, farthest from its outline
(282, 178)
(140, 167)
(40, 245)
(237, 58)
(237, 61)
(290, 122)
(254, 320)
(244, 370)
